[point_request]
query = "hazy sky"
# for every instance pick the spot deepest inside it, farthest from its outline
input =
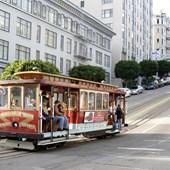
(159, 5)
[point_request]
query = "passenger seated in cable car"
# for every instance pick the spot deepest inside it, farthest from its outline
(59, 114)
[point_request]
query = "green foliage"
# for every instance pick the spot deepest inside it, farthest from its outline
(33, 65)
(10, 69)
(127, 70)
(87, 72)
(148, 68)
(164, 67)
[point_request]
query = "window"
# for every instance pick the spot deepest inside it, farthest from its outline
(38, 33)
(37, 55)
(4, 48)
(23, 28)
(107, 13)
(90, 53)
(81, 4)
(4, 20)
(107, 77)
(68, 66)
(50, 58)
(98, 57)
(83, 30)
(84, 100)
(106, 60)
(107, 1)
(74, 26)
(106, 43)
(69, 24)
(105, 101)
(98, 101)
(91, 101)
(22, 53)
(69, 45)
(26, 5)
(73, 101)
(15, 97)
(51, 39)
(61, 65)
(30, 97)
(51, 15)
(59, 19)
(62, 43)
(99, 39)
(75, 47)
(3, 97)
(65, 22)
(44, 11)
(83, 50)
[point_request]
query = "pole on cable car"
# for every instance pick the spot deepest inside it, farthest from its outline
(41, 111)
(68, 108)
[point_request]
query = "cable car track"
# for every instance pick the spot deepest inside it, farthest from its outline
(12, 153)
(149, 113)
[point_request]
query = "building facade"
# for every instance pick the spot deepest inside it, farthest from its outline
(161, 40)
(55, 31)
(131, 20)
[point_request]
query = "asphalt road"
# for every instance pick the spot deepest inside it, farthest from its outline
(145, 146)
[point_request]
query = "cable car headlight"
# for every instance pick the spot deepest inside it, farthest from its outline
(15, 124)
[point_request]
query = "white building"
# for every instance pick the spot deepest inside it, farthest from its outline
(55, 31)
(161, 34)
(131, 20)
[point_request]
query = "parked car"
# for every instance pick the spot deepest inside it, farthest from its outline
(127, 91)
(137, 89)
(151, 86)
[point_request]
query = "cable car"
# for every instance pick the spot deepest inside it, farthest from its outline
(85, 106)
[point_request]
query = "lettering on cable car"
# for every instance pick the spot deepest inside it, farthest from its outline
(23, 118)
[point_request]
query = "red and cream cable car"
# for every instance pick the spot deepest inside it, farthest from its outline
(86, 107)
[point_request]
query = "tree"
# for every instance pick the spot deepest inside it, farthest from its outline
(127, 70)
(148, 68)
(88, 72)
(17, 66)
(163, 67)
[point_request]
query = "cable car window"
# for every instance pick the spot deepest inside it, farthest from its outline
(3, 97)
(91, 101)
(105, 101)
(73, 100)
(99, 101)
(83, 100)
(30, 97)
(15, 97)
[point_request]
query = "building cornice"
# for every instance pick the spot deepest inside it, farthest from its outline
(83, 15)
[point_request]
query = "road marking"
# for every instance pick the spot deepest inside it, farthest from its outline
(155, 140)
(127, 167)
(143, 149)
(160, 158)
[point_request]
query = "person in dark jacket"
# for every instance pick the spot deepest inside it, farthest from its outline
(119, 114)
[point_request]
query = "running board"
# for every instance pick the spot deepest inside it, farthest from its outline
(116, 131)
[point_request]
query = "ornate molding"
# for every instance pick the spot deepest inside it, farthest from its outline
(86, 17)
